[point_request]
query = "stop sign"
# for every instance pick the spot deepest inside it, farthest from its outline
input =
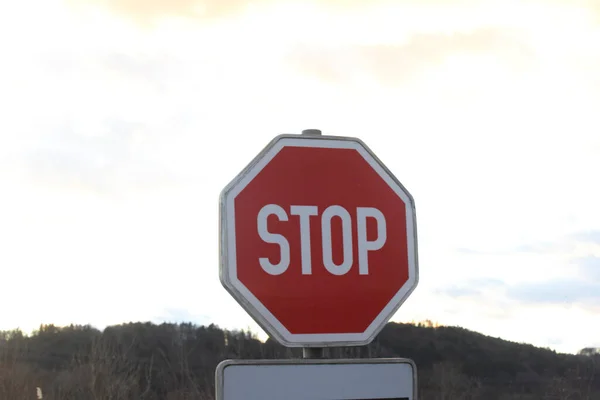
(318, 241)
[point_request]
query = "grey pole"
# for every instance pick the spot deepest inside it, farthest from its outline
(312, 352)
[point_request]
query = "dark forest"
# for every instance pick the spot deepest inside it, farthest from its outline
(177, 362)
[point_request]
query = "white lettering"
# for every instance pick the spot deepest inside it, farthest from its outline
(305, 212)
(364, 245)
(268, 237)
(330, 265)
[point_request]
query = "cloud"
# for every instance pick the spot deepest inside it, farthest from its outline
(109, 158)
(396, 64)
(584, 290)
(557, 292)
(563, 245)
(67, 157)
(575, 280)
(544, 312)
(590, 268)
(538, 248)
(567, 245)
(158, 8)
(542, 247)
(181, 315)
(460, 291)
(151, 70)
(152, 10)
(472, 288)
(593, 6)
(590, 236)
(484, 252)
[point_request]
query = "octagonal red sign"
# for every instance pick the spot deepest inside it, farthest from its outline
(318, 241)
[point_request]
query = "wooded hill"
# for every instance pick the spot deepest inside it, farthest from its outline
(177, 362)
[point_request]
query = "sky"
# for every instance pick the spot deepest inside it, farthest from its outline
(123, 120)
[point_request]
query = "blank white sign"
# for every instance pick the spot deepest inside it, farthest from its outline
(357, 379)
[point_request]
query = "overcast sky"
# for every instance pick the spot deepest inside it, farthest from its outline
(121, 121)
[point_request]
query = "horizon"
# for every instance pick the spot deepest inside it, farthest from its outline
(262, 337)
(124, 121)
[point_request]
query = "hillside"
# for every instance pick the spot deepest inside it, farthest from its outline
(177, 362)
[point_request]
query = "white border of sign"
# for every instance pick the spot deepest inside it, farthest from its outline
(309, 386)
(228, 266)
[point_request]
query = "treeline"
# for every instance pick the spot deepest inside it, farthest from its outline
(177, 362)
